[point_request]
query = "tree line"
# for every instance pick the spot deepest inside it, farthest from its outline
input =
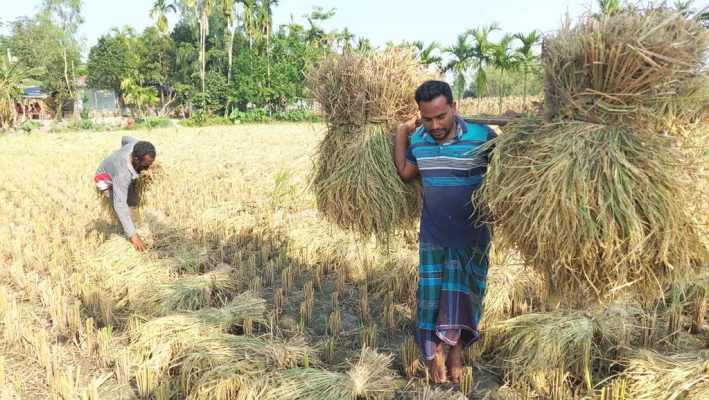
(226, 56)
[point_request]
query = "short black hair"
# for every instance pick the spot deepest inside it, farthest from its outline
(429, 90)
(142, 149)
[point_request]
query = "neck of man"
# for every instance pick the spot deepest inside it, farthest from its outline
(450, 134)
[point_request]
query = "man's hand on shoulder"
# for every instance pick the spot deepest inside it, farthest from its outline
(409, 125)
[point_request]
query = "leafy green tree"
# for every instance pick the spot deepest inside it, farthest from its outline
(111, 61)
(68, 15)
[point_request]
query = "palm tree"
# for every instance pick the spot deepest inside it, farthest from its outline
(609, 8)
(426, 54)
(161, 9)
(124, 34)
(202, 10)
(266, 17)
(480, 54)
(250, 12)
(134, 93)
(230, 9)
(503, 59)
(460, 62)
(525, 55)
(346, 38)
(364, 46)
(314, 35)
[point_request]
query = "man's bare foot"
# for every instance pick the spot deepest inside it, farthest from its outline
(437, 367)
(454, 362)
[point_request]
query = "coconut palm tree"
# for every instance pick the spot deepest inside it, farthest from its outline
(504, 59)
(480, 54)
(460, 62)
(526, 57)
(161, 9)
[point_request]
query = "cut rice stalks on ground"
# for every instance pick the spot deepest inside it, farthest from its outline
(189, 293)
(531, 347)
(652, 375)
(371, 378)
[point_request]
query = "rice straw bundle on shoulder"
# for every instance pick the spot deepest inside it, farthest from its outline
(363, 98)
(637, 67)
(596, 197)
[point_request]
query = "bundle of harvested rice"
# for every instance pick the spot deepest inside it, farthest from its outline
(243, 306)
(371, 378)
(202, 364)
(652, 375)
(355, 182)
(189, 293)
(531, 347)
(431, 393)
(225, 382)
(614, 194)
(158, 341)
(595, 199)
(637, 67)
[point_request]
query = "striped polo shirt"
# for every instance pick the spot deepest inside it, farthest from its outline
(451, 173)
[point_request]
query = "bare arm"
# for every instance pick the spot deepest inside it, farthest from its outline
(407, 171)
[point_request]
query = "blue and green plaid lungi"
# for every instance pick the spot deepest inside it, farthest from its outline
(450, 295)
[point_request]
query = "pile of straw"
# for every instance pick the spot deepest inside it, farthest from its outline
(652, 375)
(363, 99)
(594, 197)
(531, 347)
(189, 293)
(370, 378)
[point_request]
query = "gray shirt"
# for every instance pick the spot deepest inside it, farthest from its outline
(117, 173)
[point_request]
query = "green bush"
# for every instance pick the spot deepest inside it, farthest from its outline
(212, 121)
(29, 126)
(199, 118)
(151, 123)
(86, 125)
(297, 115)
(257, 115)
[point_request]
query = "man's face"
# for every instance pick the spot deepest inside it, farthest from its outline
(141, 165)
(438, 117)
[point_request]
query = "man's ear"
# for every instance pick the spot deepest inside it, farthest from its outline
(455, 107)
